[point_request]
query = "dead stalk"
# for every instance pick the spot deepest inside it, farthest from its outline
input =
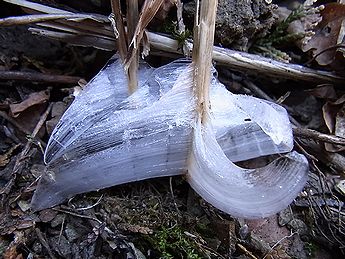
(132, 21)
(202, 53)
(122, 44)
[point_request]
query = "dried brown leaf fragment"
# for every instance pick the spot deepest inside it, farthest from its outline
(326, 44)
(334, 116)
(33, 99)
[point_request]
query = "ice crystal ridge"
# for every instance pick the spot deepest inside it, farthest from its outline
(106, 138)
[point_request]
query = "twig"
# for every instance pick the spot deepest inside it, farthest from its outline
(253, 64)
(248, 253)
(94, 219)
(313, 134)
(301, 148)
(91, 206)
(61, 229)
(235, 60)
(18, 166)
(278, 242)
(34, 18)
(257, 91)
(78, 215)
(38, 77)
(44, 242)
(173, 196)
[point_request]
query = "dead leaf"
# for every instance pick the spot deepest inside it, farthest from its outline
(329, 33)
(325, 91)
(5, 158)
(47, 215)
(11, 253)
(334, 116)
(57, 110)
(29, 118)
(135, 228)
(330, 110)
(33, 99)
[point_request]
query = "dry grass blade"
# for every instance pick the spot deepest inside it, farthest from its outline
(122, 44)
(132, 21)
(148, 11)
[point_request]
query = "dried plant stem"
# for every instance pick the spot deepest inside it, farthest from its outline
(34, 18)
(202, 53)
(252, 64)
(38, 77)
(313, 134)
(235, 60)
(122, 44)
(132, 21)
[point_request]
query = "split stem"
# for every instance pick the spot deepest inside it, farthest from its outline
(132, 21)
(202, 52)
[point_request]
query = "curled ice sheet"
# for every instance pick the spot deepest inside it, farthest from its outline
(98, 100)
(106, 94)
(248, 193)
(241, 126)
(149, 134)
(145, 143)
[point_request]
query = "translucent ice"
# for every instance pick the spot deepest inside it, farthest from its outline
(106, 138)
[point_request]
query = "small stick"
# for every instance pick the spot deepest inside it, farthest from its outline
(313, 134)
(236, 60)
(34, 18)
(18, 166)
(20, 128)
(44, 242)
(38, 77)
(248, 253)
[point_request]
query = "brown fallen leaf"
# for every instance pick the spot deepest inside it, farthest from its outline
(11, 253)
(33, 99)
(325, 91)
(57, 111)
(334, 116)
(328, 34)
(5, 158)
(29, 118)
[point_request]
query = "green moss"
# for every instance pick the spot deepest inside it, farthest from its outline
(279, 37)
(181, 37)
(174, 243)
(311, 249)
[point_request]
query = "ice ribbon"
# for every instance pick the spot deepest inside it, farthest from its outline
(105, 139)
